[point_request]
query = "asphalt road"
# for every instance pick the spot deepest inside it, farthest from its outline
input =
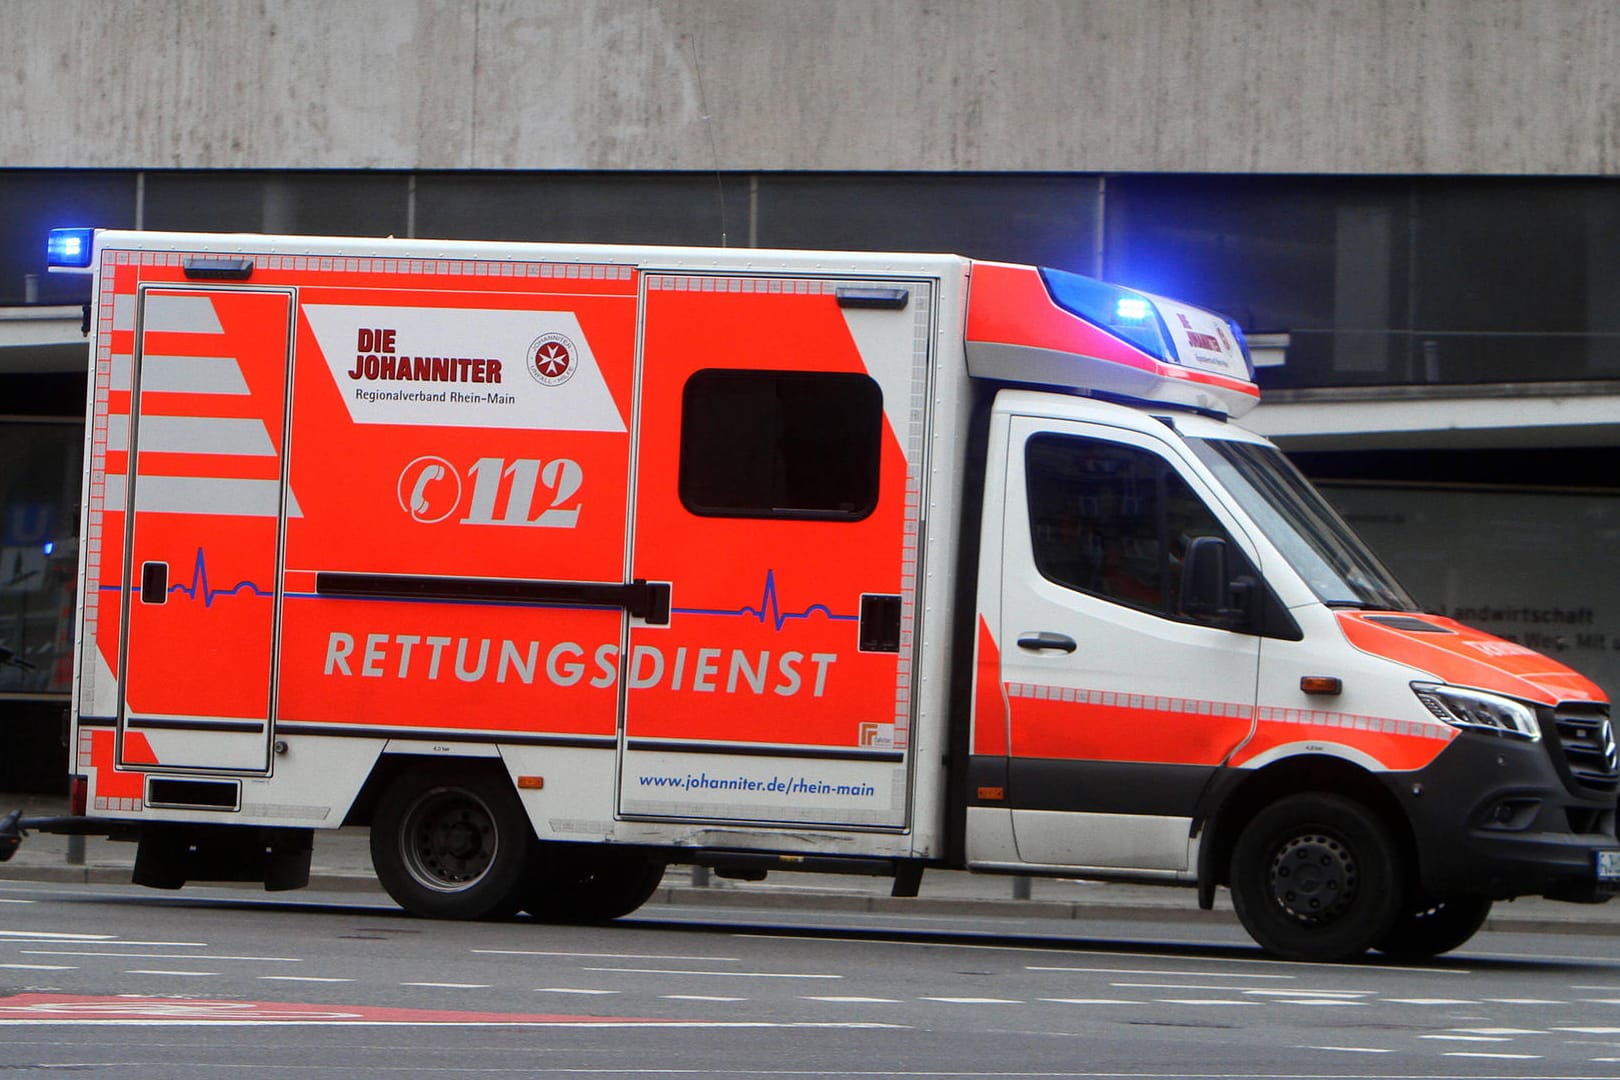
(111, 980)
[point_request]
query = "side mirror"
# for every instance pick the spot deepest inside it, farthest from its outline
(1208, 591)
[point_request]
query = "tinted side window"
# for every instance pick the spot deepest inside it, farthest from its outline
(781, 444)
(1112, 521)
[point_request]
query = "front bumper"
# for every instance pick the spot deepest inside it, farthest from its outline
(1494, 816)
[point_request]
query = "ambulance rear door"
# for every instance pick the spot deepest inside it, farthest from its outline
(207, 505)
(778, 495)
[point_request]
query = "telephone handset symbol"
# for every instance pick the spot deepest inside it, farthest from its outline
(419, 502)
(429, 489)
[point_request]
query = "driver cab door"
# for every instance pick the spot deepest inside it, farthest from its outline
(1119, 702)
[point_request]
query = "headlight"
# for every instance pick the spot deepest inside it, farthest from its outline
(1464, 708)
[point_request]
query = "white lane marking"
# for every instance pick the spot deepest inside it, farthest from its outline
(1298, 993)
(606, 955)
(1313, 997)
(1202, 1001)
(1350, 1049)
(110, 939)
(304, 978)
(699, 997)
(1465, 1038)
(1590, 1030)
(974, 1000)
(163, 956)
(1601, 1001)
(40, 967)
(1499, 1031)
(10, 900)
(1090, 1001)
(1168, 986)
(1592, 986)
(570, 990)
(1525, 1001)
(448, 986)
(853, 1000)
(155, 971)
(160, 944)
(1162, 973)
(717, 974)
(1324, 967)
(916, 944)
(1430, 1001)
(1497, 1057)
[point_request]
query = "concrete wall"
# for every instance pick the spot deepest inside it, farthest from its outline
(1316, 86)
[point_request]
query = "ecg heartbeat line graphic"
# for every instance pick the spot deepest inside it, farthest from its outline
(769, 609)
(199, 587)
(199, 584)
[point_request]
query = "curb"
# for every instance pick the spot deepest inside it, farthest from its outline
(1502, 918)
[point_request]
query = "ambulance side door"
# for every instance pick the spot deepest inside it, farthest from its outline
(1119, 705)
(778, 500)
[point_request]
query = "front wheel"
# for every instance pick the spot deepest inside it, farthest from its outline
(451, 844)
(1314, 877)
(1434, 928)
(582, 883)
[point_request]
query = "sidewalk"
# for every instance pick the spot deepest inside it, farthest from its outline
(342, 862)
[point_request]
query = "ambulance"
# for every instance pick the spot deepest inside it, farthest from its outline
(559, 565)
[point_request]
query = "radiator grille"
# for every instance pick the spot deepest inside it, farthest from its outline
(1587, 740)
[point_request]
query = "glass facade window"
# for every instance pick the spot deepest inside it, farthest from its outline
(1377, 281)
(32, 203)
(311, 204)
(585, 208)
(1039, 220)
(1388, 281)
(39, 554)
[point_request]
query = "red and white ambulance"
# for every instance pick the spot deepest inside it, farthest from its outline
(556, 565)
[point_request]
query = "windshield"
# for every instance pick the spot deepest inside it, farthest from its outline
(1310, 534)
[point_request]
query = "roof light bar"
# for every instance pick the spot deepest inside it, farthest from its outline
(70, 251)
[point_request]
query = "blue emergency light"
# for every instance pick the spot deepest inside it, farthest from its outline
(1118, 310)
(1132, 309)
(70, 250)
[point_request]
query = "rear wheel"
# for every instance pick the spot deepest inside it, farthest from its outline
(451, 844)
(584, 883)
(1314, 877)
(1434, 928)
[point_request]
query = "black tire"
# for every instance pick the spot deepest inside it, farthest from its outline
(1315, 877)
(584, 883)
(1435, 928)
(452, 843)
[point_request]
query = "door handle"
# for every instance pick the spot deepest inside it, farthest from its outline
(1047, 640)
(154, 583)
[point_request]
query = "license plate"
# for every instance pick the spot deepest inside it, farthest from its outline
(1608, 865)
